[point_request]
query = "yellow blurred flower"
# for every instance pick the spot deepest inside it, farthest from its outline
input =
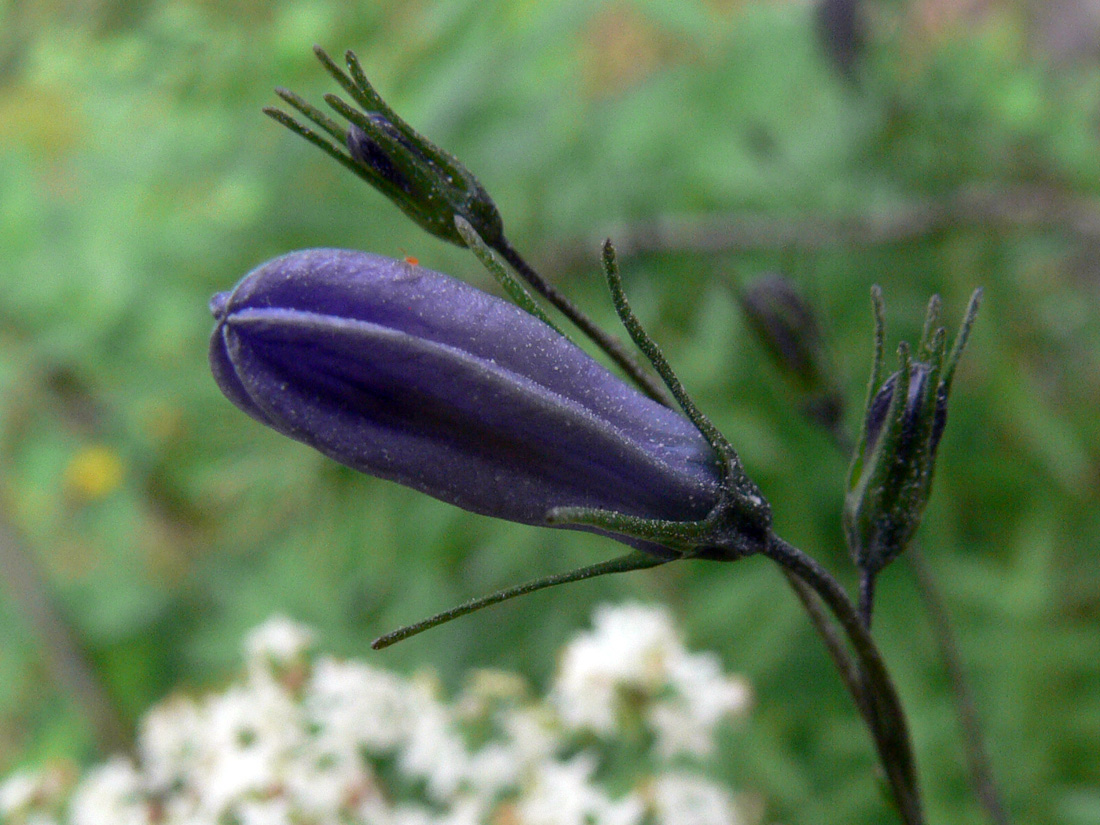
(94, 472)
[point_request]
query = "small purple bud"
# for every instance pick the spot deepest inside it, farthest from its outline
(428, 184)
(412, 376)
(786, 325)
(876, 413)
(840, 26)
(369, 152)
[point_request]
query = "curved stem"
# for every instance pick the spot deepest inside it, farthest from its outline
(611, 345)
(63, 654)
(834, 643)
(979, 764)
(866, 597)
(885, 716)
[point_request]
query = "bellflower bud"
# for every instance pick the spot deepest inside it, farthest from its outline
(429, 185)
(786, 325)
(891, 474)
(879, 408)
(840, 26)
(409, 375)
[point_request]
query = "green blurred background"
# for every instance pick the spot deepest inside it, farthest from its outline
(138, 176)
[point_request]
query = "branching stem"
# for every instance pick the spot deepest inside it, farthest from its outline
(884, 712)
(834, 643)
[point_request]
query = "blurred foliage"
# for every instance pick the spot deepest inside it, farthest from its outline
(137, 177)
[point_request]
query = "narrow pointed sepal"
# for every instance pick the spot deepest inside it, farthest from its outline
(740, 522)
(622, 564)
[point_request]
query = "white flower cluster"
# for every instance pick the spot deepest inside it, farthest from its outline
(635, 662)
(305, 739)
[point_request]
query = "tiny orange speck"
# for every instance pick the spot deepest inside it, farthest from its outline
(411, 261)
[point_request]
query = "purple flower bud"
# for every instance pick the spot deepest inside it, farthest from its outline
(429, 185)
(898, 456)
(412, 376)
(890, 479)
(368, 151)
(919, 375)
(840, 26)
(785, 323)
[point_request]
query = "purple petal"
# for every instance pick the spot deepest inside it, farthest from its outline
(406, 374)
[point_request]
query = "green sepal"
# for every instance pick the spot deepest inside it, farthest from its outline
(737, 526)
(746, 512)
(621, 564)
(515, 290)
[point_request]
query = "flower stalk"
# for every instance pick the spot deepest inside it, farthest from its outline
(877, 695)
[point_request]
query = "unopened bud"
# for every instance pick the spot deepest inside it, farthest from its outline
(919, 376)
(406, 374)
(891, 476)
(428, 184)
(368, 152)
(786, 325)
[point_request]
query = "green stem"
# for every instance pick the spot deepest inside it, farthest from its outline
(834, 644)
(866, 596)
(886, 716)
(612, 346)
(980, 767)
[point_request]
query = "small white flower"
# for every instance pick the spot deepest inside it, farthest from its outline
(630, 647)
(463, 812)
(169, 742)
(711, 693)
(562, 794)
(250, 732)
(18, 792)
(434, 752)
(323, 784)
(111, 794)
(272, 750)
(683, 799)
(702, 697)
(278, 641)
(357, 706)
(533, 733)
(272, 811)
